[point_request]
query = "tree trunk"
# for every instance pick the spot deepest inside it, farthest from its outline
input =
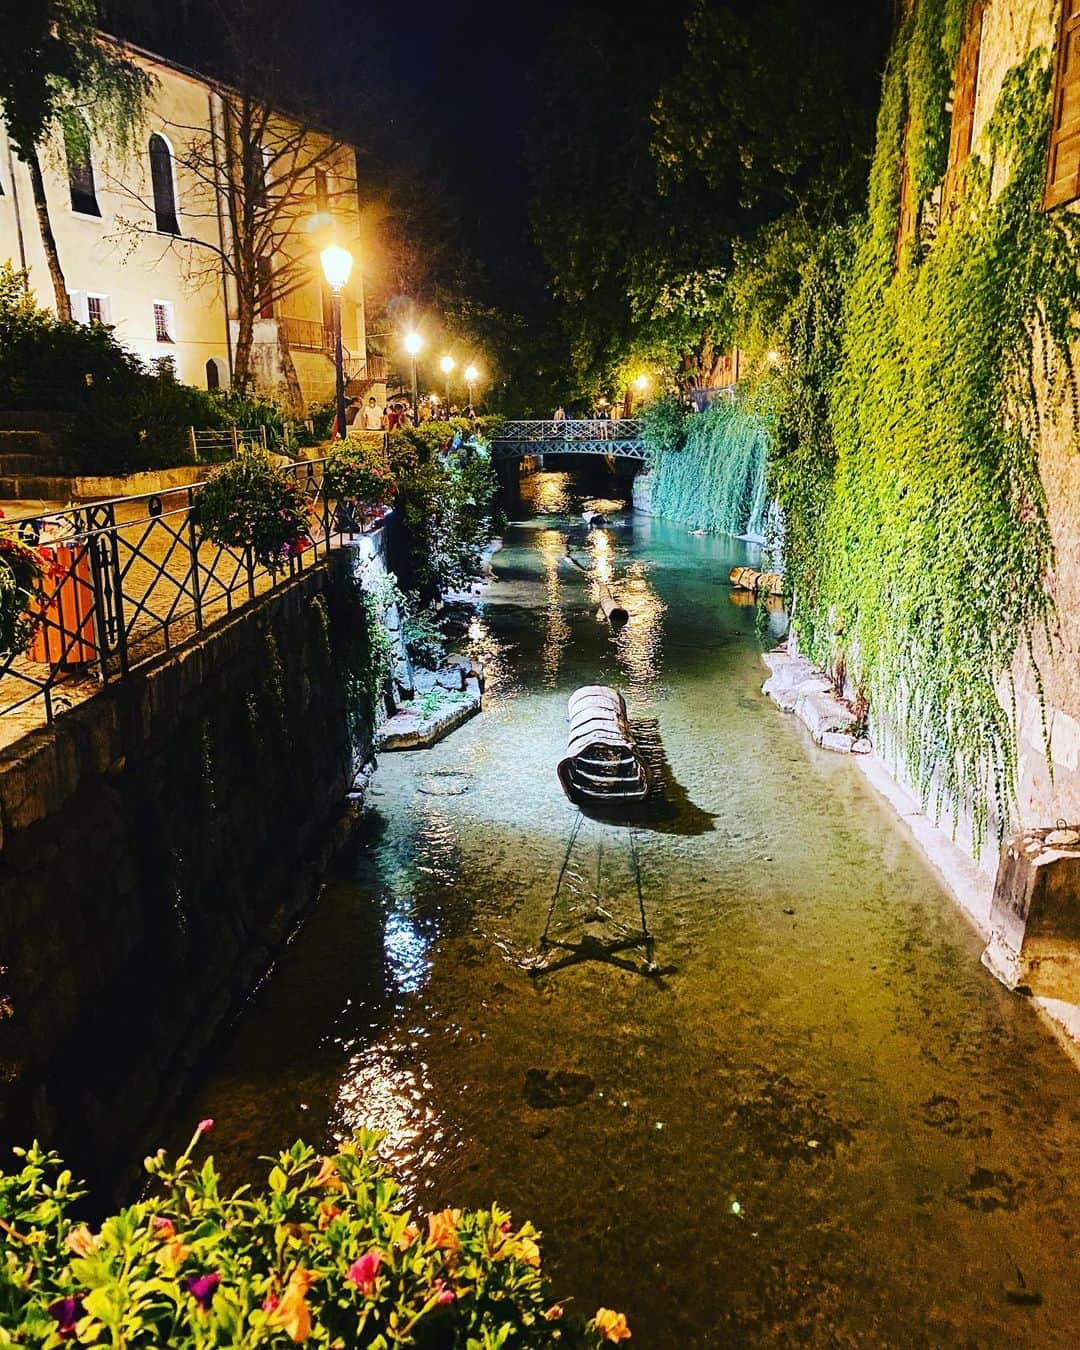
(294, 395)
(245, 329)
(52, 256)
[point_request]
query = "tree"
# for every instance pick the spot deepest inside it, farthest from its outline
(60, 76)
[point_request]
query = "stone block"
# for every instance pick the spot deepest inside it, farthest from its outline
(841, 741)
(1035, 917)
(821, 712)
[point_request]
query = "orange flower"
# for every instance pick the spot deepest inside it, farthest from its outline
(612, 1325)
(171, 1254)
(327, 1175)
(442, 1230)
(526, 1250)
(554, 1313)
(408, 1236)
(291, 1313)
(81, 1241)
(328, 1212)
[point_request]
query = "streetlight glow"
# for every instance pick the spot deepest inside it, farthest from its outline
(336, 264)
(413, 343)
(641, 383)
(471, 374)
(446, 365)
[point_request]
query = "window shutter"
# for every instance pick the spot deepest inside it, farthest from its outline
(965, 89)
(1063, 160)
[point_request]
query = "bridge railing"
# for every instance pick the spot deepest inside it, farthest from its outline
(576, 429)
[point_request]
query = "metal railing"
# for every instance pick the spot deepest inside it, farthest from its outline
(218, 444)
(132, 577)
(307, 335)
(590, 436)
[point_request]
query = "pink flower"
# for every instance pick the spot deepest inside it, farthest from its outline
(270, 1302)
(446, 1294)
(163, 1227)
(362, 1272)
(205, 1125)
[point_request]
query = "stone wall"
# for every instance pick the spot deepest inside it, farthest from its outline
(159, 843)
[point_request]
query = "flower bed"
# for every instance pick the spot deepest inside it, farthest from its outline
(325, 1254)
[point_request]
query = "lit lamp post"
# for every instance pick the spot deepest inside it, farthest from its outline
(471, 376)
(337, 264)
(446, 365)
(413, 343)
(641, 384)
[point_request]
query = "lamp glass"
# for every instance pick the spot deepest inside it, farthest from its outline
(642, 382)
(471, 374)
(446, 364)
(413, 343)
(336, 264)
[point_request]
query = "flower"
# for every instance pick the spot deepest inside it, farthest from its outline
(270, 1302)
(612, 1325)
(444, 1292)
(291, 1313)
(172, 1255)
(66, 1313)
(202, 1288)
(442, 1230)
(81, 1241)
(362, 1272)
(526, 1250)
(554, 1313)
(204, 1125)
(164, 1228)
(327, 1175)
(328, 1212)
(409, 1234)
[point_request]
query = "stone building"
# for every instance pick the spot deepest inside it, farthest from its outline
(142, 239)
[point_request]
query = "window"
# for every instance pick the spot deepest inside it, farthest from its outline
(965, 89)
(80, 171)
(97, 309)
(164, 186)
(1063, 159)
(213, 373)
(164, 329)
(265, 298)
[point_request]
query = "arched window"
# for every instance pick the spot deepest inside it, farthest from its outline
(213, 373)
(80, 169)
(161, 176)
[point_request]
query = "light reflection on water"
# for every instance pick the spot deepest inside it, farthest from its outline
(824, 1126)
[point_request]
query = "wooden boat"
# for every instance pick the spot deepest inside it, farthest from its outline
(602, 765)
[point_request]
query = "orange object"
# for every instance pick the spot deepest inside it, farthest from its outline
(65, 612)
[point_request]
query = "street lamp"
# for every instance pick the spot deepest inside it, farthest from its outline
(337, 264)
(471, 376)
(446, 365)
(413, 343)
(641, 383)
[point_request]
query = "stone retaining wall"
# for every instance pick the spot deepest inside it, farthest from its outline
(158, 845)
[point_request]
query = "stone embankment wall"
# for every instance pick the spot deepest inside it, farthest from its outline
(159, 843)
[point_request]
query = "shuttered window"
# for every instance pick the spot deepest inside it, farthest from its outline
(965, 90)
(1063, 161)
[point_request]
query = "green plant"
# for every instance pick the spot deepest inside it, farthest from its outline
(324, 1254)
(663, 426)
(359, 471)
(21, 568)
(249, 503)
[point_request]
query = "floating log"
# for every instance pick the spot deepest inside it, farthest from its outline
(615, 614)
(602, 765)
(772, 583)
(749, 579)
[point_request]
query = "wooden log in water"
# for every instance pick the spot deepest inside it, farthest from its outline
(615, 614)
(772, 583)
(744, 578)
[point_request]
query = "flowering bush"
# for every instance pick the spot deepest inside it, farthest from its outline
(324, 1255)
(360, 472)
(20, 568)
(249, 503)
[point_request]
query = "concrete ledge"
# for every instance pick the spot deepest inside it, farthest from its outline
(409, 730)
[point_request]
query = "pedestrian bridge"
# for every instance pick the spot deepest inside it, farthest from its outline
(620, 436)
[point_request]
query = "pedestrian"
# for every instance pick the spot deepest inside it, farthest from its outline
(559, 415)
(371, 418)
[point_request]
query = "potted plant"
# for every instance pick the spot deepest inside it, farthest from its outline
(360, 472)
(21, 568)
(249, 503)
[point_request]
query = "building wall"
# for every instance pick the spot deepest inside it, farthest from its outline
(134, 267)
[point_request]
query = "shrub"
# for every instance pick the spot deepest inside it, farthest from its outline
(325, 1254)
(249, 503)
(20, 569)
(663, 425)
(359, 471)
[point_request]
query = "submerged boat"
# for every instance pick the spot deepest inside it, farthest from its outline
(602, 765)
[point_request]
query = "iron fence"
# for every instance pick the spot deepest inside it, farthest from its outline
(225, 442)
(131, 577)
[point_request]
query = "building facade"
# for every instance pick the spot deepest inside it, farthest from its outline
(147, 247)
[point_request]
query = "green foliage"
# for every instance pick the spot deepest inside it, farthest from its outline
(358, 470)
(443, 505)
(21, 568)
(249, 503)
(663, 425)
(325, 1253)
(907, 420)
(716, 480)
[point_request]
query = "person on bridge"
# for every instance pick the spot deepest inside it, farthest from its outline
(559, 415)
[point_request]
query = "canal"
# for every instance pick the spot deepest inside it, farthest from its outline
(818, 1122)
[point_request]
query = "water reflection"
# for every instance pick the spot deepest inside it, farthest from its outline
(552, 546)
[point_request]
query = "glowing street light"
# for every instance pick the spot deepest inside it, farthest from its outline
(446, 365)
(337, 264)
(773, 357)
(413, 343)
(471, 376)
(641, 383)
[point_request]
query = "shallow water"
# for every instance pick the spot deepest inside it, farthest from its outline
(823, 1123)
